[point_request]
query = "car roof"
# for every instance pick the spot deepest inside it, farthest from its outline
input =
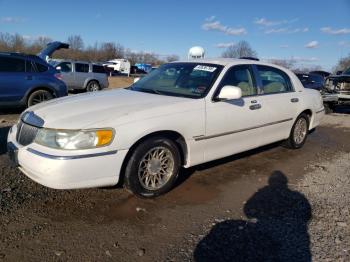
(229, 61)
(20, 55)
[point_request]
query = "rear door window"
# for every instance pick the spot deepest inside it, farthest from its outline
(274, 80)
(10, 64)
(81, 68)
(29, 67)
(41, 68)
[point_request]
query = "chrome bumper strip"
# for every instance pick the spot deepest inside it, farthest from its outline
(33, 151)
(198, 138)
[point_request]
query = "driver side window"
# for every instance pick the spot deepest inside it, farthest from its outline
(242, 77)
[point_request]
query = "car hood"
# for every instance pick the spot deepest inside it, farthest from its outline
(108, 108)
(50, 49)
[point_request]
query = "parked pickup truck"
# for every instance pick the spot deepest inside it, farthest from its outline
(82, 75)
(337, 90)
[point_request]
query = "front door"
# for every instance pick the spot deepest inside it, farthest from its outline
(234, 126)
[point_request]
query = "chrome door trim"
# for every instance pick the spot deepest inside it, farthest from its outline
(202, 137)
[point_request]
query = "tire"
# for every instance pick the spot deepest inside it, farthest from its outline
(328, 108)
(38, 96)
(93, 86)
(299, 132)
(142, 172)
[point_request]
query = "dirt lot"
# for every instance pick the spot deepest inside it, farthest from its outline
(270, 204)
(120, 81)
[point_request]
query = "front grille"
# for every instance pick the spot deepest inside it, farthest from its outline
(26, 133)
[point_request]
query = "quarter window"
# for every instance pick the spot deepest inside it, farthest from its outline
(82, 68)
(41, 68)
(98, 69)
(242, 77)
(9, 64)
(274, 80)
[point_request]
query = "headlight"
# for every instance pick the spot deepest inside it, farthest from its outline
(74, 139)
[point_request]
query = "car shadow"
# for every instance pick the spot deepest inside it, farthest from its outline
(342, 109)
(11, 111)
(276, 228)
(3, 139)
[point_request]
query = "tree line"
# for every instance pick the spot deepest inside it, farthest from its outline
(110, 50)
(79, 51)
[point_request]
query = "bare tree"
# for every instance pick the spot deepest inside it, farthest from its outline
(75, 42)
(18, 43)
(287, 63)
(343, 64)
(241, 49)
(171, 58)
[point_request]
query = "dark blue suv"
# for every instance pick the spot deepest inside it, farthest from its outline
(26, 80)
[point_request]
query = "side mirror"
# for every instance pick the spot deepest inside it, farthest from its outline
(58, 68)
(229, 93)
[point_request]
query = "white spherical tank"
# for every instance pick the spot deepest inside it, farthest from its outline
(196, 52)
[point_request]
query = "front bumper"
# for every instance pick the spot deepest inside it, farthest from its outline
(62, 171)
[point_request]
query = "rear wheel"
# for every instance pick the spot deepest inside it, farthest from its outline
(299, 132)
(38, 96)
(153, 167)
(93, 86)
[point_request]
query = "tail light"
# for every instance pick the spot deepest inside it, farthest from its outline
(58, 76)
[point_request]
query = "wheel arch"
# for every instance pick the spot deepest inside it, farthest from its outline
(32, 90)
(175, 136)
(309, 113)
(88, 80)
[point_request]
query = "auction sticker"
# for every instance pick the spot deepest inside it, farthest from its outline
(205, 68)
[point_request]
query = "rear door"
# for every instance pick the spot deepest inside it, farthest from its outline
(81, 74)
(279, 101)
(14, 80)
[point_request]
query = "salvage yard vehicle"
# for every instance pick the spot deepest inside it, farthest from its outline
(313, 81)
(80, 75)
(180, 115)
(337, 90)
(26, 80)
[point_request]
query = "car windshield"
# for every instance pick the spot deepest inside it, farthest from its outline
(347, 72)
(192, 80)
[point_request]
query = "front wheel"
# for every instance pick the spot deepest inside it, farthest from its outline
(153, 167)
(299, 132)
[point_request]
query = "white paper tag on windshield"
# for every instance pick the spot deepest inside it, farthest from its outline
(205, 68)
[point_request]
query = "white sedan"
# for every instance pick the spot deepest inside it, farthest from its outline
(180, 115)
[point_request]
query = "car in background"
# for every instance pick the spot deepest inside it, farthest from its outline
(180, 115)
(81, 75)
(324, 74)
(137, 71)
(121, 66)
(26, 80)
(337, 90)
(313, 81)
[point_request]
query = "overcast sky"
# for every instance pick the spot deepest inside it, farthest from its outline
(312, 32)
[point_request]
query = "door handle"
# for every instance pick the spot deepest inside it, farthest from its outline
(29, 77)
(294, 100)
(253, 101)
(255, 107)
